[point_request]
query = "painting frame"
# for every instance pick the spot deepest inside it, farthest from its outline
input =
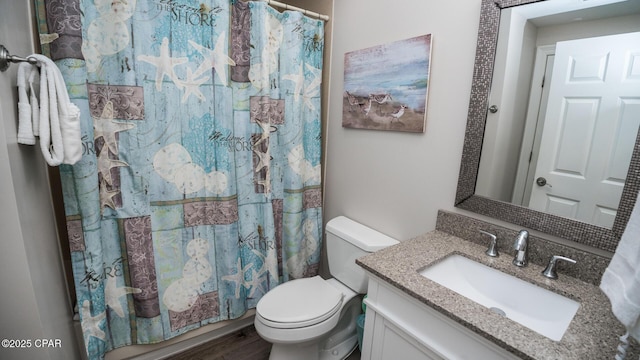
(386, 86)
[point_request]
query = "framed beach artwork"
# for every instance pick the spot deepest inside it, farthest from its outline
(386, 86)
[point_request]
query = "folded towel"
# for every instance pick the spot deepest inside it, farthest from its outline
(69, 119)
(27, 111)
(56, 121)
(35, 107)
(50, 136)
(621, 279)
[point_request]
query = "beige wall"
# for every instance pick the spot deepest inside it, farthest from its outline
(33, 297)
(396, 182)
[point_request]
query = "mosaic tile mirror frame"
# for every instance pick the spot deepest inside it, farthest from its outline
(580, 232)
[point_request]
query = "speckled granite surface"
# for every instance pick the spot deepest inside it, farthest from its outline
(593, 333)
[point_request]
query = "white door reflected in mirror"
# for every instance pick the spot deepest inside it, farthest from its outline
(590, 128)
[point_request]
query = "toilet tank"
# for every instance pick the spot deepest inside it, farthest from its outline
(348, 240)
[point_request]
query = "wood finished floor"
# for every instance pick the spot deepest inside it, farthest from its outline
(244, 344)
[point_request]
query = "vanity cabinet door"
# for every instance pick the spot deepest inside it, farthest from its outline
(392, 343)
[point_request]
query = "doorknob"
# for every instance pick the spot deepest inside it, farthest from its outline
(542, 181)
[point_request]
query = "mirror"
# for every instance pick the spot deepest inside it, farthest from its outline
(562, 146)
(487, 184)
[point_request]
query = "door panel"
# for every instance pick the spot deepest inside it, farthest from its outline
(590, 128)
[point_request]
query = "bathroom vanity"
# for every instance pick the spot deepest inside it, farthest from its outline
(400, 327)
(412, 317)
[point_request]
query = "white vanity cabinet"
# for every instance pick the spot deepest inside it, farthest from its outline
(398, 326)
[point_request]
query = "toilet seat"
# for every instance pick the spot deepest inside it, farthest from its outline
(299, 303)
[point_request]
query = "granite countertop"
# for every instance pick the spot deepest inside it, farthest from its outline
(593, 333)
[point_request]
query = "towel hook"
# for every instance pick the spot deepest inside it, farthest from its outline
(6, 58)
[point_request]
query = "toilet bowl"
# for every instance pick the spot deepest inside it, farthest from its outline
(305, 331)
(314, 318)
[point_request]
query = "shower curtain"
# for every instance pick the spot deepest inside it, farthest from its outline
(199, 187)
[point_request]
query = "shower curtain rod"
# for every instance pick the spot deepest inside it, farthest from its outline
(290, 7)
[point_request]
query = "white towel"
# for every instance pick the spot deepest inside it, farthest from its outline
(50, 135)
(59, 120)
(621, 279)
(28, 111)
(69, 118)
(35, 107)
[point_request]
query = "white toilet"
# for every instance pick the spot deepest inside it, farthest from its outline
(313, 318)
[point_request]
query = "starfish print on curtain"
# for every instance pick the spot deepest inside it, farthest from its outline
(113, 293)
(105, 127)
(216, 59)
(312, 91)
(238, 277)
(269, 263)
(262, 159)
(91, 324)
(308, 92)
(107, 196)
(164, 65)
(106, 163)
(192, 86)
(255, 285)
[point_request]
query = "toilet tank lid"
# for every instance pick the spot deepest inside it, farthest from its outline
(359, 235)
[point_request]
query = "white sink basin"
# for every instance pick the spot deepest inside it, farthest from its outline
(539, 309)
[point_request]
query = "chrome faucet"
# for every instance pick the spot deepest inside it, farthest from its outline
(550, 270)
(520, 246)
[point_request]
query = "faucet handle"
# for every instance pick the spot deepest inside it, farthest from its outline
(493, 248)
(550, 270)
